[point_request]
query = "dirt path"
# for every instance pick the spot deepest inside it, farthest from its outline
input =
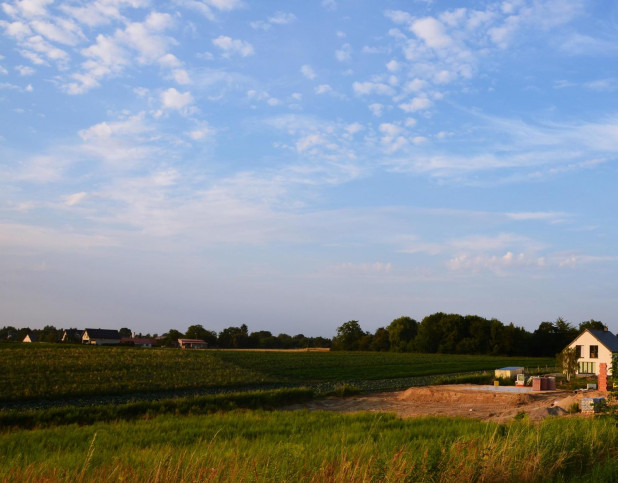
(480, 402)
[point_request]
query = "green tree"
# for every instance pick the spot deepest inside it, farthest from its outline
(592, 325)
(170, 339)
(348, 336)
(125, 332)
(381, 340)
(197, 331)
(567, 359)
(401, 333)
(235, 337)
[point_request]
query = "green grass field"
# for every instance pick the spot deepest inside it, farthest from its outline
(208, 438)
(313, 446)
(41, 371)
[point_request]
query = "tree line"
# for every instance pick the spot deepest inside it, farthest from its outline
(228, 338)
(436, 333)
(459, 334)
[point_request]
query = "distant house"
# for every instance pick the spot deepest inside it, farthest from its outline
(594, 347)
(139, 341)
(101, 337)
(31, 338)
(72, 335)
(192, 344)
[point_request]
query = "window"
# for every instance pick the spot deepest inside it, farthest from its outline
(578, 351)
(594, 351)
(587, 368)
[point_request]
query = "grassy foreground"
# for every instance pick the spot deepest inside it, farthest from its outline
(55, 371)
(313, 446)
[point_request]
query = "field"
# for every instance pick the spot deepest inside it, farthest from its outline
(314, 446)
(200, 416)
(32, 372)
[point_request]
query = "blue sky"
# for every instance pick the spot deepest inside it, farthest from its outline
(294, 165)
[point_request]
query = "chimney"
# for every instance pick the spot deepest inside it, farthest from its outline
(605, 328)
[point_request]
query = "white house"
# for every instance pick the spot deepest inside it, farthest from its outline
(592, 348)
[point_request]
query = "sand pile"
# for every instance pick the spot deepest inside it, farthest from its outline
(463, 395)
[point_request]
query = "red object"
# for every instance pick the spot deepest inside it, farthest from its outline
(536, 384)
(602, 381)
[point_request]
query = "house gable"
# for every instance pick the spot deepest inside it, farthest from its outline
(596, 347)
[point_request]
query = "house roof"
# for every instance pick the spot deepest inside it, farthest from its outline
(191, 341)
(140, 340)
(73, 333)
(606, 338)
(103, 334)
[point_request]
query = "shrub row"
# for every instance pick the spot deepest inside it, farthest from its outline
(148, 409)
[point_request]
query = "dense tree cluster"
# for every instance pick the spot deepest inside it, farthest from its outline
(458, 334)
(436, 333)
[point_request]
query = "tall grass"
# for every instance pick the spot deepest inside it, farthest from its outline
(314, 446)
(57, 416)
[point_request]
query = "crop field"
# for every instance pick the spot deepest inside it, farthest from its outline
(63, 371)
(313, 446)
(31, 372)
(339, 366)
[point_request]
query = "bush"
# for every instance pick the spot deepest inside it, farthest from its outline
(344, 390)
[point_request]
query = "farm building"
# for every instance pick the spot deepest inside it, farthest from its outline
(592, 348)
(509, 372)
(101, 337)
(31, 338)
(139, 341)
(192, 344)
(72, 335)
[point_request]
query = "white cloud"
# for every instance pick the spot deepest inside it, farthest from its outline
(28, 8)
(376, 109)
(39, 238)
(181, 76)
(282, 18)
(75, 198)
(416, 104)
(205, 7)
(233, 46)
(363, 268)
(495, 263)
(367, 88)
(432, 32)
(344, 54)
(398, 16)
(323, 89)
(201, 133)
(172, 99)
(308, 72)
(24, 70)
(393, 66)
(309, 141)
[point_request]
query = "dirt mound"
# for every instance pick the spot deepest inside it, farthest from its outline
(463, 395)
(485, 403)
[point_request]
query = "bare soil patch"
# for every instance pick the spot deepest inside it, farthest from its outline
(455, 401)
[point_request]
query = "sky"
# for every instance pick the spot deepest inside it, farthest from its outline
(292, 165)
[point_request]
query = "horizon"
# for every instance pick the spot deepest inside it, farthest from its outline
(293, 166)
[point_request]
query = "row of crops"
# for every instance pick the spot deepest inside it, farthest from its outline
(52, 372)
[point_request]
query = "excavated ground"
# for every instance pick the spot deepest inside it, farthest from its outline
(480, 402)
